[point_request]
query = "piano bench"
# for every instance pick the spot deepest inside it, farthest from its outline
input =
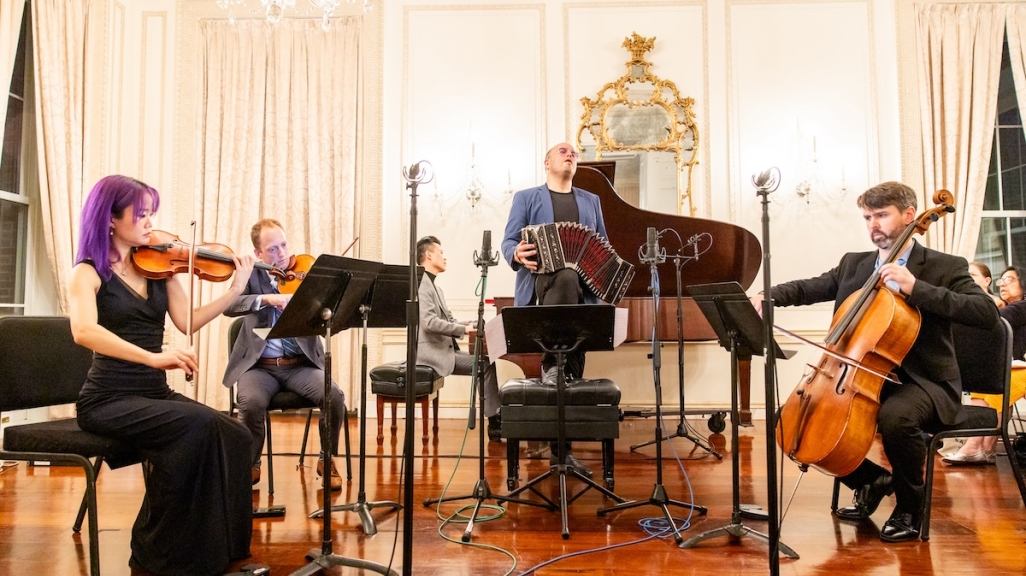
(529, 412)
(388, 383)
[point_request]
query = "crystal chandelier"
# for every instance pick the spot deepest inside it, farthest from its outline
(274, 10)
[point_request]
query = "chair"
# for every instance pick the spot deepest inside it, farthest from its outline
(388, 384)
(282, 401)
(984, 363)
(32, 377)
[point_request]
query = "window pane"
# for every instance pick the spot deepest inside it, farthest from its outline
(990, 247)
(1011, 147)
(1017, 230)
(990, 199)
(12, 252)
(10, 159)
(12, 310)
(18, 77)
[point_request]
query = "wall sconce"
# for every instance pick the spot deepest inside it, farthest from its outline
(812, 191)
(472, 197)
(274, 10)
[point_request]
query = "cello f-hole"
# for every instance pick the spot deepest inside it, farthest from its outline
(839, 389)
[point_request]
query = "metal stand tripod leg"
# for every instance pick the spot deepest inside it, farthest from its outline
(736, 529)
(324, 558)
(362, 507)
(682, 426)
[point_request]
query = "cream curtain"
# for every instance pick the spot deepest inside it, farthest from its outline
(959, 68)
(277, 130)
(59, 33)
(1017, 53)
(11, 13)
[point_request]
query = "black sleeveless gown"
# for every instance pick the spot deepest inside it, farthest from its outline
(196, 515)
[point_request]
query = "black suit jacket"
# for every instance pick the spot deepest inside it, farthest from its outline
(944, 293)
(249, 346)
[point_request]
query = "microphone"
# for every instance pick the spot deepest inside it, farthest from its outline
(485, 256)
(652, 253)
(767, 180)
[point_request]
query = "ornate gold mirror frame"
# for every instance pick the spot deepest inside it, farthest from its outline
(642, 112)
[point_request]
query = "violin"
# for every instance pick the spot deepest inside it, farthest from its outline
(167, 255)
(829, 420)
(299, 265)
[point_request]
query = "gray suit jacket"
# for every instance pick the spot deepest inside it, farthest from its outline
(435, 345)
(249, 346)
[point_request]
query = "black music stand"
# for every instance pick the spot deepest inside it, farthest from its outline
(559, 330)
(332, 291)
(739, 329)
(383, 307)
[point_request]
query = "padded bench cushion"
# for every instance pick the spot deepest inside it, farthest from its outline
(529, 410)
(390, 380)
(579, 392)
(980, 417)
(64, 436)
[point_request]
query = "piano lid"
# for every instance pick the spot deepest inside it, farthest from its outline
(725, 252)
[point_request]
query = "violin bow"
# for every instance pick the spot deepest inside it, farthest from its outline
(835, 355)
(192, 284)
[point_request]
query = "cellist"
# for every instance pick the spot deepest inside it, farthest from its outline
(929, 396)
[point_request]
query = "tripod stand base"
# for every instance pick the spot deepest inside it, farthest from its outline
(737, 530)
(319, 561)
(681, 433)
(753, 512)
(659, 499)
(481, 493)
(362, 508)
(562, 471)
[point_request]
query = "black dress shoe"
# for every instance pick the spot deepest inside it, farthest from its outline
(494, 428)
(867, 499)
(573, 463)
(900, 527)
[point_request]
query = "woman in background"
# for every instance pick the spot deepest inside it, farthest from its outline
(196, 515)
(1011, 307)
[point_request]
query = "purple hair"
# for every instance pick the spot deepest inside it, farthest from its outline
(108, 200)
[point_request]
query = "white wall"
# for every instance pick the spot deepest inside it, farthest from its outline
(509, 77)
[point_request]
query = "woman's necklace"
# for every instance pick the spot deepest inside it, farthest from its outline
(123, 269)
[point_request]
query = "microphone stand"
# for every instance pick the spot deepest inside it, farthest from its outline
(482, 491)
(659, 497)
(414, 176)
(683, 429)
(765, 183)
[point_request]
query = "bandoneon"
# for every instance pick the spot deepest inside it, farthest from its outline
(571, 245)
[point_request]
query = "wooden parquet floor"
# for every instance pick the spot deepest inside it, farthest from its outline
(979, 522)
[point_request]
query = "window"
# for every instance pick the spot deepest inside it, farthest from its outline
(1002, 240)
(14, 202)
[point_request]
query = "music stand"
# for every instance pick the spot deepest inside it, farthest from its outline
(332, 291)
(383, 307)
(559, 330)
(739, 329)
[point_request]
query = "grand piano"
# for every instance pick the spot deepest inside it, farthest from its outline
(733, 255)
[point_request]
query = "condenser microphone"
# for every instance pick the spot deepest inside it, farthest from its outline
(652, 246)
(485, 257)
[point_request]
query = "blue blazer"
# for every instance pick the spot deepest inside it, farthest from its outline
(534, 206)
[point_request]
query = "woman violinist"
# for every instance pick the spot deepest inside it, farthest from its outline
(929, 396)
(196, 516)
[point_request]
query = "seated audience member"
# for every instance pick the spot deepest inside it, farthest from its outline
(980, 449)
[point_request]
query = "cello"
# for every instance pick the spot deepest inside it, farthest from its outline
(829, 420)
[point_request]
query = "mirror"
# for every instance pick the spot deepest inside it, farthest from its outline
(642, 123)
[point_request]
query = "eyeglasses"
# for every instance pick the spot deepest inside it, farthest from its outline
(564, 151)
(1006, 280)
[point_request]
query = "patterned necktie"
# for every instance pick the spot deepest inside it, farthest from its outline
(289, 346)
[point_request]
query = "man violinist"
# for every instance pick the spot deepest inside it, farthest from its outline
(263, 367)
(929, 396)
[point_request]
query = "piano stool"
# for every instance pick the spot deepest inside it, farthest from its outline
(388, 383)
(529, 412)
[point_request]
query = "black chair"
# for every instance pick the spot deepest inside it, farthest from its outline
(985, 364)
(40, 366)
(282, 401)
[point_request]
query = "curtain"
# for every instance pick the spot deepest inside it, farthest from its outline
(59, 36)
(1017, 53)
(277, 137)
(959, 49)
(10, 32)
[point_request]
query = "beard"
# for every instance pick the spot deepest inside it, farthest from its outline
(882, 241)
